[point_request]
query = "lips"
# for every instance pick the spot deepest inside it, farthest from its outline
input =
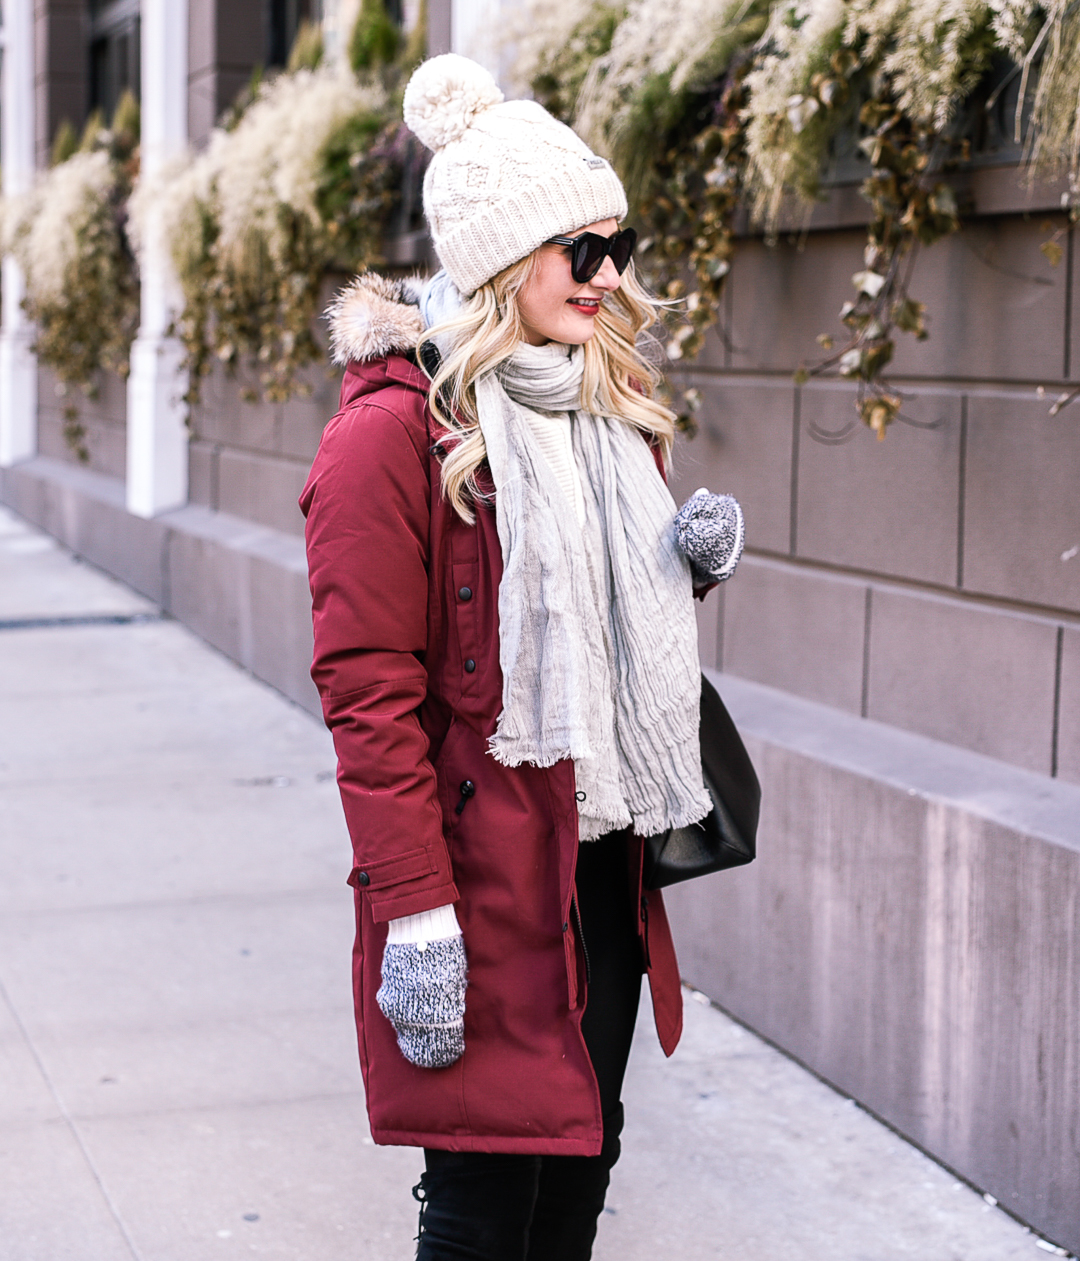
(587, 306)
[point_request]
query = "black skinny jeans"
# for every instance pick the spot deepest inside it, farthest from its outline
(480, 1206)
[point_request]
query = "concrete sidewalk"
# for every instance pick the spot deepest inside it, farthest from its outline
(178, 1073)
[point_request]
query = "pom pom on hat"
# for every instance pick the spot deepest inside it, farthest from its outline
(444, 96)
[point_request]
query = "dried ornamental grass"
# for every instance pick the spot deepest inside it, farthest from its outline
(247, 224)
(933, 52)
(925, 56)
(892, 74)
(662, 55)
(273, 159)
(661, 99)
(557, 46)
(81, 287)
(786, 140)
(706, 105)
(44, 226)
(537, 29)
(1053, 142)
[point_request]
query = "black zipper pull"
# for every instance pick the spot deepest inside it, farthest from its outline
(467, 790)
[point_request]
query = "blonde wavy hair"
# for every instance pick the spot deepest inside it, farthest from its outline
(618, 382)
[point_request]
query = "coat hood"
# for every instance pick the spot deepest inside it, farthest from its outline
(375, 316)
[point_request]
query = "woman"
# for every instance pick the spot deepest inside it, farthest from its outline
(506, 651)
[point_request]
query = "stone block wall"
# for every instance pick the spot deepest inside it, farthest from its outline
(241, 586)
(245, 459)
(931, 580)
(901, 648)
(252, 459)
(103, 418)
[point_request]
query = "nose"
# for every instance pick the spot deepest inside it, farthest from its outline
(607, 278)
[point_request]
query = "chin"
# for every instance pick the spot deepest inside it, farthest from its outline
(571, 332)
(578, 336)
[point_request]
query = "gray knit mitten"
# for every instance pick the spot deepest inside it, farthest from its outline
(423, 996)
(709, 532)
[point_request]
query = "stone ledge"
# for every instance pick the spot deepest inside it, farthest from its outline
(1032, 804)
(983, 191)
(239, 585)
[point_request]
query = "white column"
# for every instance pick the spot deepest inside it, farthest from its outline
(338, 19)
(18, 364)
(157, 436)
(475, 31)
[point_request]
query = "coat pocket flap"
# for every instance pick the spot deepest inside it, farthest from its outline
(396, 870)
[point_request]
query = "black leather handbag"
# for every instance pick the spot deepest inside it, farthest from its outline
(727, 836)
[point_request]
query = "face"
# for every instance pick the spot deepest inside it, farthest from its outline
(553, 306)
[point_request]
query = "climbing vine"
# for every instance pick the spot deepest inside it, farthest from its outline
(731, 110)
(717, 114)
(81, 287)
(302, 178)
(304, 175)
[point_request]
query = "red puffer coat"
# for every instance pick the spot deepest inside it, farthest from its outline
(407, 664)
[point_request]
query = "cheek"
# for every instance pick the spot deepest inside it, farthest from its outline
(547, 290)
(527, 304)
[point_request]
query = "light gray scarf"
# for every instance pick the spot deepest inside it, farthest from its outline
(597, 634)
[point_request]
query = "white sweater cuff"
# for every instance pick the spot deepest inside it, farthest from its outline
(437, 925)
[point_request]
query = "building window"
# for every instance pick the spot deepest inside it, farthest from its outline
(284, 18)
(114, 52)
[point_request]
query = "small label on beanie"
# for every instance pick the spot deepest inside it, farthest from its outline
(594, 162)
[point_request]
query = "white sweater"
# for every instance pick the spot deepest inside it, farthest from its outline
(555, 442)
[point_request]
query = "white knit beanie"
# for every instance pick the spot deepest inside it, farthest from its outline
(505, 176)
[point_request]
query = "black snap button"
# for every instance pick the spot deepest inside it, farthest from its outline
(470, 666)
(363, 879)
(465, 593)
(468, 788)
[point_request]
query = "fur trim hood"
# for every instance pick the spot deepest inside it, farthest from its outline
(375, 316)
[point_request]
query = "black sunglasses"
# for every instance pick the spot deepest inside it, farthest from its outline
(588, 251)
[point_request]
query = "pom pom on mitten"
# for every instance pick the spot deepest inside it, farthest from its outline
(423, 996)
(709, 532)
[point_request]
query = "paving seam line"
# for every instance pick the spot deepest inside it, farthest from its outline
(69, 1121)
(80, 619)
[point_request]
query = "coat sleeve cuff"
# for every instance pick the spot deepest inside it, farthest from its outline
(393, 903)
